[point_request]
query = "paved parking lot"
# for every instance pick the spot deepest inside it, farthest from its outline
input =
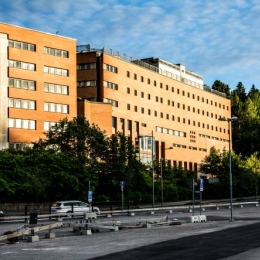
(66, 245)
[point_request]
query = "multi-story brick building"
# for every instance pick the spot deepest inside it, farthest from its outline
(148, 99)
(152, 98)
(37, 83)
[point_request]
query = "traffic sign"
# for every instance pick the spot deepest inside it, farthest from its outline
(201, 184)
(90, 196)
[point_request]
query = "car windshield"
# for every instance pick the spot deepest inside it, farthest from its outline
(56, 204)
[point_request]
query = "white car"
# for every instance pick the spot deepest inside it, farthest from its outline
(70, 206)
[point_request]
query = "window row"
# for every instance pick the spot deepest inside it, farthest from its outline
(172, 103)
(188, 94)
(56, 71)
(56, 52)
(86, 66)
(111, 101)
(21, 83)
(55, 88)
(110, 85)
(22, 103)
(170, 131)
(22, 123)
(58, 108)
(86, 83)
(21, 65)
(110, 68)
(22, 45)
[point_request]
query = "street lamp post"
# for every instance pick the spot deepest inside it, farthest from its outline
(170, 148)
(230, 120)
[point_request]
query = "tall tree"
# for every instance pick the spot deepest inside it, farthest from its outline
(221, 87)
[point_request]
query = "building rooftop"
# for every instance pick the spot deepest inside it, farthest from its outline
(174, 71)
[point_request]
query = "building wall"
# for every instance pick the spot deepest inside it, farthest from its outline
(176, 114)
(48, 67)
(97, 112)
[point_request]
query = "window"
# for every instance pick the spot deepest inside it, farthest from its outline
(53, 107)
(110, 85)
(136, 109)
(129, 125)
(157, 99)
(110, 68)
(22, 103)
(148, 81)
(54, 88)
(128, 106)
(161, 85)
(111, 101)
(56, 71)
(86, 66)
(21, 83)
(128, 90)
(142, 79)
(154, 83)
(128, 74)
(56, 52)
(22, 123)
(88, 83)
(21, 65)
(155, 113)
(161, 100)
(113, 122)
(167, 87)
(135, 76)
(148, 96)
(142, 110)
(142, 94)
(47, 126)
(135, 92)
(22, 45)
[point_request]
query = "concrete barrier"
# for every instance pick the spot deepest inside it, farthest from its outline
(202, 218)
(194, 219)
(33, 239)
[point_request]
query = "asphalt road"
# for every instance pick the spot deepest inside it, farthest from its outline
(215, 239)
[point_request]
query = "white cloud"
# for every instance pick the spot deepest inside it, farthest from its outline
(217, 39)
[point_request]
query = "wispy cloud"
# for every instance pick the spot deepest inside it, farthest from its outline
(216, 39)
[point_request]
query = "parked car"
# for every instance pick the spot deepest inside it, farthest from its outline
(70, 206)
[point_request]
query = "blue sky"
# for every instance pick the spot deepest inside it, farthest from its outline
(218, 39)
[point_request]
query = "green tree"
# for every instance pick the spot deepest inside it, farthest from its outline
(221, 87)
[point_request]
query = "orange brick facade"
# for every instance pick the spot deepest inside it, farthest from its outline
(42, 76)
(147, 103)
(48, 64)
